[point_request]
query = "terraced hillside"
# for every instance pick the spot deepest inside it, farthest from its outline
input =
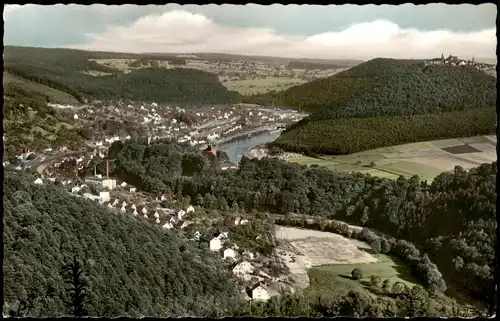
(75, 72)
(386, 102)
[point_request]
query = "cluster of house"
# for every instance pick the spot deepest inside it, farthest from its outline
(242, 69)
(170, 218)
(261, 285)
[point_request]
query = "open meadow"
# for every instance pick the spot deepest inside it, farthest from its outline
(425, 159)
(336, 280)
(123, 65)
(260, 85)
(323, 261)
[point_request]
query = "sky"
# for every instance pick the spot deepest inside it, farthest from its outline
(305, 31)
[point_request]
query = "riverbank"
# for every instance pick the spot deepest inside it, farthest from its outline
(261, 151)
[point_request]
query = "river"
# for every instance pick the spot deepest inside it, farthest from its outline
(236, 148)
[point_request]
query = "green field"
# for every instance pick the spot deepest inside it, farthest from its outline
(261, 85)
(123, 64)
(425, 159)
(335, 280)
(53, 94)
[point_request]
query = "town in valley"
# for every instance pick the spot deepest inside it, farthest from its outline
(255, 171)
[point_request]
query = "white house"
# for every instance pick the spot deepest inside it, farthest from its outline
(190, 209)
(184, 225)
(168, 226)
(173, 220)
(260, 293)
(157, 221)
(181, 214)
(109, 205)
(38, 181)
(243, 222)
(115, 202)
(237, 220)
(157, 215)
(197, 235)
(109, 183)
(215, 244)
(124, 203)
(229, 253)
(104, 197)
(133, 189)
(133, 207)
(123, 209)
(223, 235)
(144, 210)
(75, 117)
(243, 268)
(128, 137)
(146, 215)
(124, 184)
(75, 189)
(135, 213)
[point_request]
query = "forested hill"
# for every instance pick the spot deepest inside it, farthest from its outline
(72, 72)
(386, 87)
(386, 102)
(129, 268)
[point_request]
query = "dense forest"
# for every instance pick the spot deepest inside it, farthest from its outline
(351, 135)
(63, 69)
(387, 87)
(401, 92)
(124, 267)
(406, 209)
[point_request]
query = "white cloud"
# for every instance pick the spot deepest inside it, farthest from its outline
(184, 32)
(8, 8)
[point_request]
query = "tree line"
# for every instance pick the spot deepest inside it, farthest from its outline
(352, 135)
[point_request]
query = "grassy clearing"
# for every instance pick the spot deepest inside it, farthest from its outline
(123, 64)
(425, 159)
(335, 280)
(53, 94)
(96, 73)
(262, 85)
(355, 164)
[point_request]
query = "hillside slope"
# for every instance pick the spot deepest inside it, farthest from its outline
(383, 87)
(132, 268)
(68, 71)
(54, 95)
(392, 93)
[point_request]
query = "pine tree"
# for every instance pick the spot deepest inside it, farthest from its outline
(74, 277)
